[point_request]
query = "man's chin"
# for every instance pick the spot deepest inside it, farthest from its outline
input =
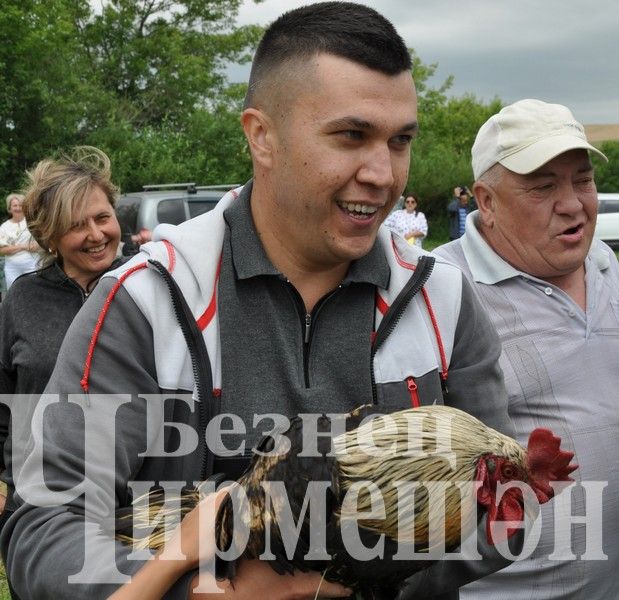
(354, 251)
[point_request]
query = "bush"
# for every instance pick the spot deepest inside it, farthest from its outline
(607, 173)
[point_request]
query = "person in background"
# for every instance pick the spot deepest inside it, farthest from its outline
(408, 222)
(552, 292)
(69, 207)
(293, 284)
(16, 244)
(457, 210)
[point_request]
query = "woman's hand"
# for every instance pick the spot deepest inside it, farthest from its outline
(192, 543)
(256, 579)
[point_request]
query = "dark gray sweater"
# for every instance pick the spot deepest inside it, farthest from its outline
(34, 317)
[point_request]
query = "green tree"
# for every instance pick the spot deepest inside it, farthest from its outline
(161, 60)
(607, 173)
(137, 72)
(441, 154)
(41, 83)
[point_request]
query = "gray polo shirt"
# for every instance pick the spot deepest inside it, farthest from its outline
(316, 363)
(561, 367)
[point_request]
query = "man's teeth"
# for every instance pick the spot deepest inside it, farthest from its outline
(360, 208)
(95, 250)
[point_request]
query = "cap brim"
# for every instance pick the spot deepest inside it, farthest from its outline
(538, 153)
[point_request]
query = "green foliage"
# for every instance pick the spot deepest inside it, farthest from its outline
(161, 60)
(607, 173)
(40, 83)
(144, 79)
(441, 155)
(208, 149)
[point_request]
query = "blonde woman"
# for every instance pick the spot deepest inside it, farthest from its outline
(16, 243)
(69, 207)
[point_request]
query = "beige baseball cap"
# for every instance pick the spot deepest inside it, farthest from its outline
(526, 135)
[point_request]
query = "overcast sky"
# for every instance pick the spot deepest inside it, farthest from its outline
(563, 51)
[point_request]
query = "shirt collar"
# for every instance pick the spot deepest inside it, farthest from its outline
(489, 268)
(250, 259)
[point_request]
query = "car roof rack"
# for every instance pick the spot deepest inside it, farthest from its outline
(189, 186)
(221, 186)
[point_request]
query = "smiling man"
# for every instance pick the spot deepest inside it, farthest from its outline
(305, 304)
(552, 292)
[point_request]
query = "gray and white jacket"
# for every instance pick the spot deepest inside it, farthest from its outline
(138, 350)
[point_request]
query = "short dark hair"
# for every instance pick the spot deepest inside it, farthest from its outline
(352, 31)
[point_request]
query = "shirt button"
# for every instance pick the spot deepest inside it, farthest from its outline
(548, 291)
(571, 313)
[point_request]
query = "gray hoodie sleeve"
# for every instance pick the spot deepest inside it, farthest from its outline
(50, 538)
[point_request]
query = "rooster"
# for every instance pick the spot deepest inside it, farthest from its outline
(426, 444)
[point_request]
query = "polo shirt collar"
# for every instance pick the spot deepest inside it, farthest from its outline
(489, 268)
(250, 259)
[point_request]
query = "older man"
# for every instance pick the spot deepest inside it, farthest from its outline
(552, 291)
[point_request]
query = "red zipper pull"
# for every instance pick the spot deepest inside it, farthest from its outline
(411, 384)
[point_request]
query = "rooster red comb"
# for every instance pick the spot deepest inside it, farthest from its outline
(547, 462)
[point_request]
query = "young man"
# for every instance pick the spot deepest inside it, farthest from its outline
(551, 290)
(299, 298)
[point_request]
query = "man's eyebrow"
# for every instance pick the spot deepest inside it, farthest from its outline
(356, 123)
(411, 127)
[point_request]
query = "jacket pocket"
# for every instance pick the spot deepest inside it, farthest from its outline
(411, 392)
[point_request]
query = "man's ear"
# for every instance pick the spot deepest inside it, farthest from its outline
(485, 198)
(259, 131)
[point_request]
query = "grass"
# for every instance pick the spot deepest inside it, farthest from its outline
(4, 587)
(431, 243)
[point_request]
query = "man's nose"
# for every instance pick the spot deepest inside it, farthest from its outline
(569, 201)
(377, 168)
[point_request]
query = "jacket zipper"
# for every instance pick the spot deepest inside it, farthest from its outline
(413, 286)
(200, 363)
(307, 322)
(411, 384)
